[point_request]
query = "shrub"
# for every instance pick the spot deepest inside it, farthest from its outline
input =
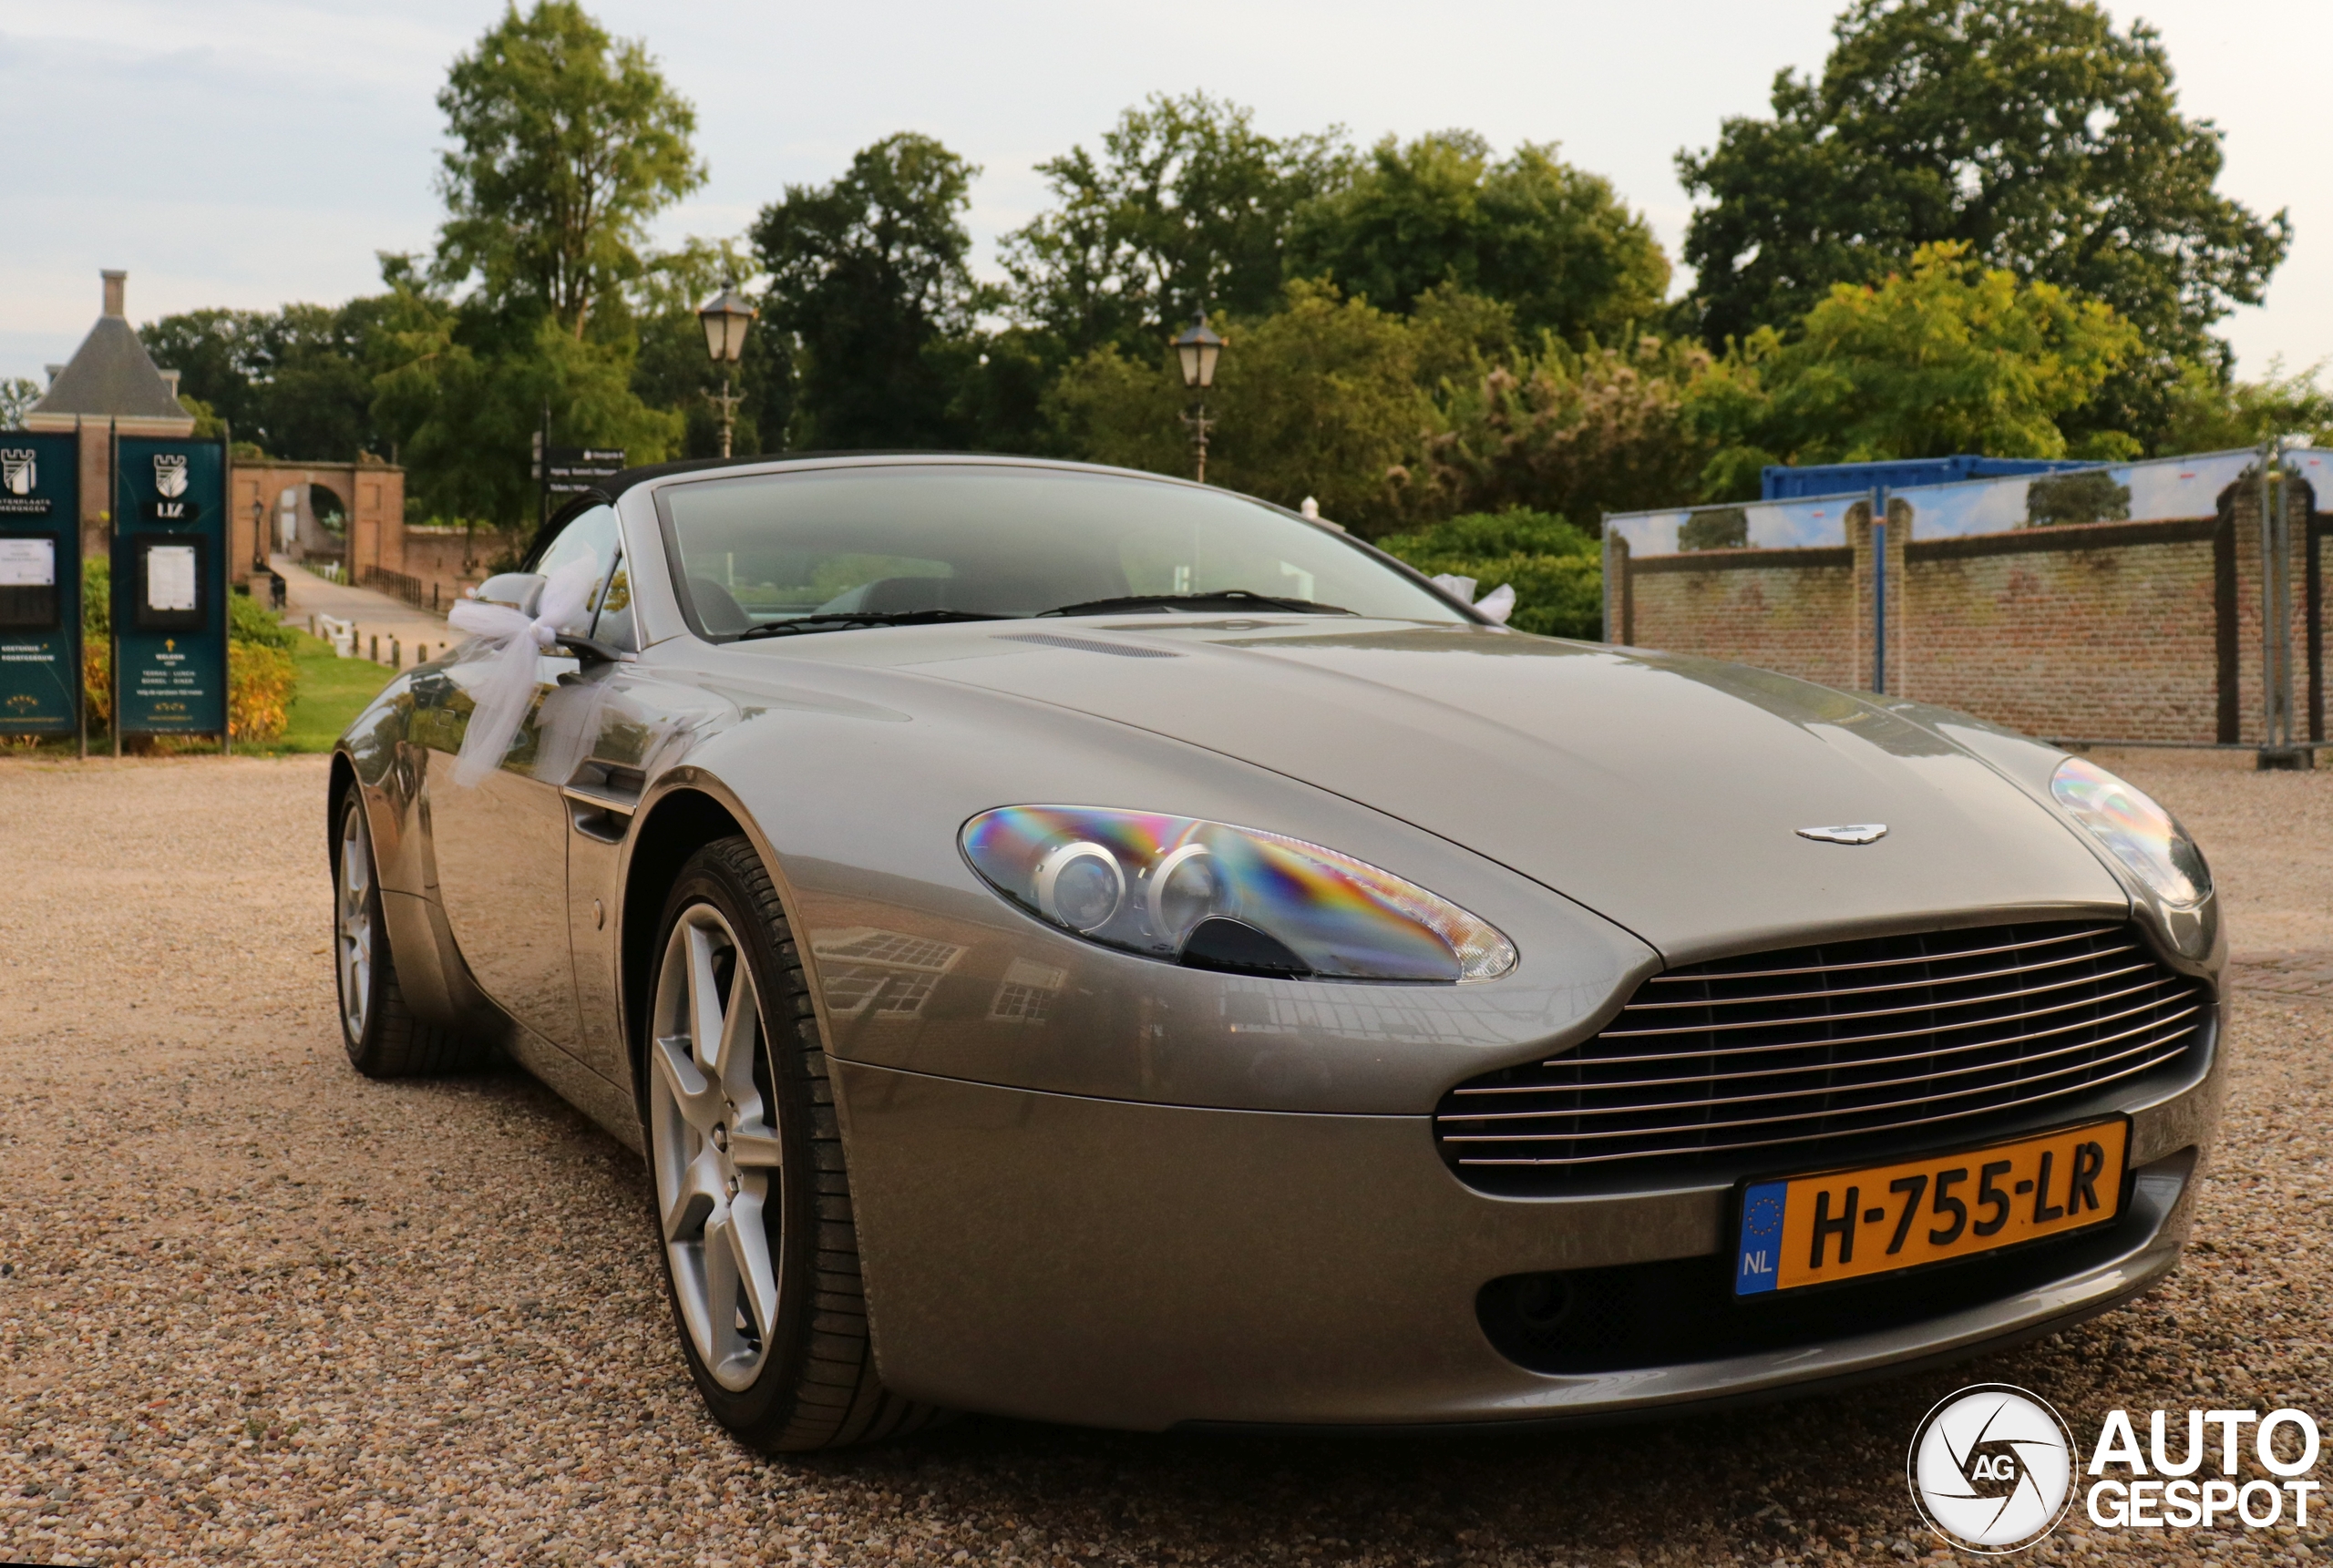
(1554, 567)
(261, 675)
(97, 641)
(260, 681)
(249, 621)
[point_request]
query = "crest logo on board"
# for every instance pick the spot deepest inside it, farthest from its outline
(169, 474)
(19, 473)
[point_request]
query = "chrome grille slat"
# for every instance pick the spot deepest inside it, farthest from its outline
(1753, 1122)
(1796, 1093)
(1925, 982)
(2078, 1007)
(1560, 1062)
(1674, 978)
(2155, 984)
(2169, 1056)
(1875, 1012)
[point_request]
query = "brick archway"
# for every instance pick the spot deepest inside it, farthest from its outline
(372, 495)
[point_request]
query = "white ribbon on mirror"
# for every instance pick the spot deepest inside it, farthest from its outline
(1497, 604)
(499, 701)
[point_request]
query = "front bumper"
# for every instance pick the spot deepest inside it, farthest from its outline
(1117, 1264)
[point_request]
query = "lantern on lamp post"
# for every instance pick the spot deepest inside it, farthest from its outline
(725, 317)
(1198, 348)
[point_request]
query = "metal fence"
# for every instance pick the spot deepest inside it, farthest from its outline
(412, 590)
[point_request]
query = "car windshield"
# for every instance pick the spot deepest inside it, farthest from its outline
(930, 541)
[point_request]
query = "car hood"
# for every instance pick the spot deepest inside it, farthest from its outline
(1664, 793)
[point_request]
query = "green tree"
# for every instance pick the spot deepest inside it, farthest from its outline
(1553, 242)
(463, 390)
(218, 356)
(1185, 207)
(566, 143)
(1950, 357)
(1319, 399)
(1553, 567)
(673, 371)
(315, 399)
(294, 382)
(1575, 433)
(2210, 414)
(2030, 130)
(870, 280)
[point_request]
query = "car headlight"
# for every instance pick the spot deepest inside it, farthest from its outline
(1215, 897)
(2136, 831)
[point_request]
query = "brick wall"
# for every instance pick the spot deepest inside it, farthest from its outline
(1791, 610)
(2145, 630)
(444, 562)
(2105, 630)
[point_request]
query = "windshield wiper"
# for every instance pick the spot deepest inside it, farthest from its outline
(1229, 598)
(840, 620)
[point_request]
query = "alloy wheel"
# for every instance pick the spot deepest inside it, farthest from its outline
(714, 1147)
(353, 922)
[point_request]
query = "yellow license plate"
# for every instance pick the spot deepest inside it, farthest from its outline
(1845, 1225)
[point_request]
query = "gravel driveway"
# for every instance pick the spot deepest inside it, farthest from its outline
(254, 1308)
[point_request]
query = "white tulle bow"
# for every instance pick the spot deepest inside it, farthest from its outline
(501, 698)
(1497, 604)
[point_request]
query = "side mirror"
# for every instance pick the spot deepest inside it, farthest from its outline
(520, 590)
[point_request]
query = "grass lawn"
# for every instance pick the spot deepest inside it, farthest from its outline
(332, 691)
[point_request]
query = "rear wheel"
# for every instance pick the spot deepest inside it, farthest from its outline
(753, 1200)
(383, 1037)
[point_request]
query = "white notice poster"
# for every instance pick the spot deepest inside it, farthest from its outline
(170, 576)
(28, 563)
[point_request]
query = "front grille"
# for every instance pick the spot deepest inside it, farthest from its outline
(1812, 1051)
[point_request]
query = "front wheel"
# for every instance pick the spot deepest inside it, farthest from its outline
(753, 1201)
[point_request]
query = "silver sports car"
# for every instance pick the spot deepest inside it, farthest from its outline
(1083, 946)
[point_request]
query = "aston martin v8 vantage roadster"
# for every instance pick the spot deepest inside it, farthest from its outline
(1084, 946)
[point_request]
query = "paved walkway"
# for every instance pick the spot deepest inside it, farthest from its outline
(394, 622)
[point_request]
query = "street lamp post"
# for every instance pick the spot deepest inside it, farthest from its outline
(1198, 348)
(725, 317)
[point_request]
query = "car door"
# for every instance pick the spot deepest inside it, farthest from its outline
(621, 722)
(500, 847)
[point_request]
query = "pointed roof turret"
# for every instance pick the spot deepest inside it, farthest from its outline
(111, 377)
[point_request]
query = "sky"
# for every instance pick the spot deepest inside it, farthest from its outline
(248, 153)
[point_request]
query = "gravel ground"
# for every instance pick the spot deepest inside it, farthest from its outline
(253, 1308)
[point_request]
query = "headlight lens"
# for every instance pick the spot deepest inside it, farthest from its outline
(2141, 834)
(1217, 896)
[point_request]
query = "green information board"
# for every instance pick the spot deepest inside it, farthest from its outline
(40, 583)
(169, 587)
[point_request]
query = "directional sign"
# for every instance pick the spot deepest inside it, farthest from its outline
(572, 470)
(169, 587)
(40, 583)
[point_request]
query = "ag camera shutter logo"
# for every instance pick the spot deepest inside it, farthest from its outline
(1991, 1468)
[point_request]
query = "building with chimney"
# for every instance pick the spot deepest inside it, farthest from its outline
(110, 387)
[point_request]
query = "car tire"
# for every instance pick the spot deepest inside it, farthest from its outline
(749, 1189)
(383, 1037)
